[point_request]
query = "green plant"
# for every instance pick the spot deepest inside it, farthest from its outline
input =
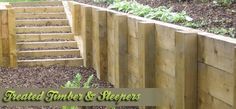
(76, 83)
(161, 13)
(223, 31)
(106, 1)
(223, 2)
(196, 24)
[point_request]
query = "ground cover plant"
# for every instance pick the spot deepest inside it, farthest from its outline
(217, 16)
(19, 0)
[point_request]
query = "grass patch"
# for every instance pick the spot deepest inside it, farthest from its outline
(20, 0)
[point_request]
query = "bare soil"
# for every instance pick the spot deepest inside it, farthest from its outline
(212, 15)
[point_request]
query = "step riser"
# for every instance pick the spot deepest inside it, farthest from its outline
(44, 37)
(48, 53)
(42, 23)
(47, 45)
(39, 10)
(75, 62)
(40, 16)
(30, 4)
(43, 30)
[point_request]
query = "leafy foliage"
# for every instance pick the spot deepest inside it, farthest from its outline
(76, 83)
(106, 1)
(223, 31)
(223, 2)
(161, 13)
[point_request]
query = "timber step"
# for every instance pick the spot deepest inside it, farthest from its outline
(40, 16)
(51, 53)
(48, 62)
(43, 29)
(46, 45)
(44, 9)
(42, 22)
(44, 37)
(37, 3)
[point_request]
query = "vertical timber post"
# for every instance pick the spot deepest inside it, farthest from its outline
(234, 73)
(100, 42)
(121, 51)
(12, 37)
(147, 50)
(186, 70)
(86, 34)
(1, 49)
(76, 22)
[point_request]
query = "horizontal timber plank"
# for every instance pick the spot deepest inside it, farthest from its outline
(216, 82)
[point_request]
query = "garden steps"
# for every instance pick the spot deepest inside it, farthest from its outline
(40, 16)
(48, 62)
(42, 53)
(43, 29)
(37, 3)
(44, 36)
(42, 22)
(44, 9)
(46, 45)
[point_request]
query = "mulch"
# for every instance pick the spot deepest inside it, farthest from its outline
(45, 77)
(214, 16)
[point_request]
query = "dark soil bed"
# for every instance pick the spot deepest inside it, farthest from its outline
(47, 77)
(208, 14)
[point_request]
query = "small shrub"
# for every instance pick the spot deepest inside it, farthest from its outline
(223, 31)
(106, 1)
(161, 13)
(223, 2)
(76, 83)
(196, 24)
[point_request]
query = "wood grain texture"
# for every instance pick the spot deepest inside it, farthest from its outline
(146, 56)
(1, 49)
(121, 51)
(76, 21)
(110, 46)
(86, 34)
(216, 82)
(12, 37)
(5, 38)
(186, 70)
(133, 51)
(234, 73)
(207, 101)
(100, 43)
(216, 53)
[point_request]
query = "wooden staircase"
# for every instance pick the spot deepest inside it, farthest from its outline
(44, 35)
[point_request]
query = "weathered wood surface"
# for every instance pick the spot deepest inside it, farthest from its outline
(1, 48)
(215, 56)
(146, 54)
(121, 51)
(12, 37)
(216, 82)
(99, 40)
(5, 38)
(76, 22)
(186, 70)
(110, 45)
(86, 34)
